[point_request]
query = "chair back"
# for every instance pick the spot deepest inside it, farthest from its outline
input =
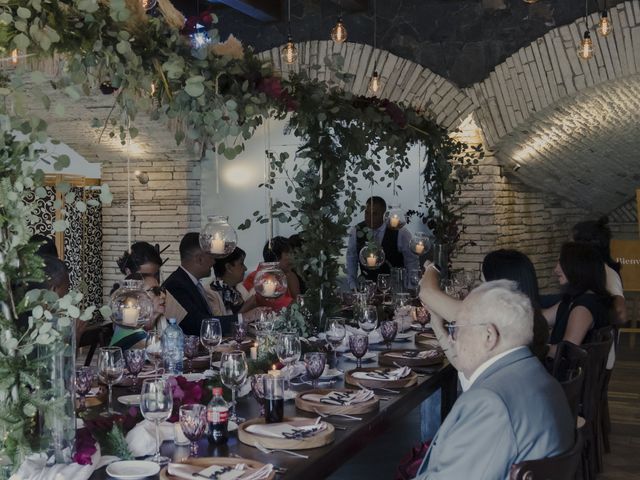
(573, 389)
(570, 359)
(595, 372)
(561, 467)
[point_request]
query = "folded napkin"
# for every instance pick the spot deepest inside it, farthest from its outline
(422, 355)
(34, 468)
(341, 398)
(142, 438)
(286, 430)
(219, 472)
(383, 374)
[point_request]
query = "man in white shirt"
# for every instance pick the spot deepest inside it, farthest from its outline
(394, 242)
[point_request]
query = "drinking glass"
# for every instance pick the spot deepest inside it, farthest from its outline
(422, 316)
(156, 404)
(153, 348)
(359, 343)
(367, 316)
(210, 336)
(336, 331)
(239, 333)
(315, 363)
(84, 381)
(191, 347)
(134, 357)
(110, 370)
(273, 388)
(415, 275)
(193, 421)
(257, 388)
(388, 330)
(233, 373)
(288, 349)
(384, 284)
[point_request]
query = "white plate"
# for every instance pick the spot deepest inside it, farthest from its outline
(132, 469)
(368, 357)
(404, 336)
(129, 399)
(330, 374)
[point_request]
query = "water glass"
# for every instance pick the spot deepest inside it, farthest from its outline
(367, 317)
(210, 336)
(336, 331)
(257, 389)
(315, 362)
(388, 330)
(191, 347)
(273, 388)
(110, 371)
(384, 284)
(84, 380)
(156, 405)
(153, 347)
(134, 358)
(233, 373)
(359, 343)
(193, 421)
(288, 349)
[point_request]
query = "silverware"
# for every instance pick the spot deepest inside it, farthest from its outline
(264, 449)
(343, 415)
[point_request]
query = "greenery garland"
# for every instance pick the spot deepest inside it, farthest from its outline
(216, 96)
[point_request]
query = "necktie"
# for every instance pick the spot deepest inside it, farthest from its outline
(204, 296)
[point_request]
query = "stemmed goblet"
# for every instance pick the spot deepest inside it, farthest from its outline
(193, 421)
(239, 333)
(288, 349)
(359, 343)
(134, 358)
(233, 373)
(84, 381)
(336, 331)
(110, 370)
(153, 348)
(156, 405)
(257, 388)
(191, 346)
(315, 363)
(422, 316)
(384, 284)
(210, 336)
(388, 330)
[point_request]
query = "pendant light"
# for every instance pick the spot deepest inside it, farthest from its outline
(289, 51)
(339, 32)
(374, 83)
(585, 49)
(604, 25)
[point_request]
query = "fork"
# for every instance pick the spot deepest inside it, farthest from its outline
(377, 388)
(264, 449)
(343, 415)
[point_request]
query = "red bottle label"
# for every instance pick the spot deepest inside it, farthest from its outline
(217, 415)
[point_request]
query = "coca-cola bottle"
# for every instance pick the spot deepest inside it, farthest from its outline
(217, 418)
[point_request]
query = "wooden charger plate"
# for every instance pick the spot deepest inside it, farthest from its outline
(386, 358)
(319, 440)
(426, 339)
(205, 462)
(313, 407)
(407, 381)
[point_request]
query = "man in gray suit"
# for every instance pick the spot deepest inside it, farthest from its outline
(512, 410)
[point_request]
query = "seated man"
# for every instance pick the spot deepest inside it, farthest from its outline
(511, 409)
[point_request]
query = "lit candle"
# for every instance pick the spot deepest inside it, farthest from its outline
(274, 372)
(217, 244)
(269, 288)
(14, 57)
(372, 260)
(254, 351)
(419, 248)
(394, 221)
(130, 315)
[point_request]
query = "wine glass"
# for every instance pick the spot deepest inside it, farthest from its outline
(210, 336)
(239, 333)
(336, 331)
(384, 284)
(110, 370)
(191, 347)
(156, 405)
(153, 348)
(359, 343)
(315, 362)
(388, 330)
(367, 316)
(193, 421)
(258, 390)
(288, 349)
(134, 358)
(84, 381)
(233, 373)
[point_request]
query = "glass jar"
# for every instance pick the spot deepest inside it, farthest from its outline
(218, 237)
(372, 256)
(395, 216)
(270, 281)
(420, 243)
(131, 307)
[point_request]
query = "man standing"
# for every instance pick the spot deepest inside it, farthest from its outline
(511, 409)
(394, 242)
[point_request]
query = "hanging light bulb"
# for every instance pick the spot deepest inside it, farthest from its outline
(290, 52)
(148, 4)
(585, 49)
(339, 32)
(14, 56)
(604, 25)
(374, 83)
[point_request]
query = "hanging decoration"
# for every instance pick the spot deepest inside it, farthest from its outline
(605, 27)
(420, 243)
(289, 51)
(218, 237)
(395, 217)
(372, 256)
(131, 307)
(339, 32)
(270, 281)
(374, 82)
(585, 49)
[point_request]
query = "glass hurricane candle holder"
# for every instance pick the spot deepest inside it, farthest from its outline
(218, 237)
(131, 307)
(420, 243)
(395, 217)
(372, 256)
(270, 281)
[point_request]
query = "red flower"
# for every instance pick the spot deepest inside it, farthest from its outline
(85, 447)
(272, 87)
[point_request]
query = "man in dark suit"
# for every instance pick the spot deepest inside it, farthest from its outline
(187, 289)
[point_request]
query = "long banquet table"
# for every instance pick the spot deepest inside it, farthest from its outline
(358, 434)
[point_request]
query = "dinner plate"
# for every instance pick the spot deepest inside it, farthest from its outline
(129, 399)
(368, 357)
(404, 336)
(132, 469)
(330, 374)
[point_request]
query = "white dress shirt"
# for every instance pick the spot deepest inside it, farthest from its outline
(466, 384)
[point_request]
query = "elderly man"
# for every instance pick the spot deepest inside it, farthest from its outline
(511, 409)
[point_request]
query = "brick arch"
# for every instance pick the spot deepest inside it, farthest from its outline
(402, 80)
(548, 70)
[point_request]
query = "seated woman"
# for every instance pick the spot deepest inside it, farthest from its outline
(586, 304)
(126, 338)
(224, 296)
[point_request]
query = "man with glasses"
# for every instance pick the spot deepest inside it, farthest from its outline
(511, 409)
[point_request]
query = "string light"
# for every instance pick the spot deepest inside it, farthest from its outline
(14, 57)
(604, 25)
(289, 51)
(585, 49)
(374, 83)
(339, 32)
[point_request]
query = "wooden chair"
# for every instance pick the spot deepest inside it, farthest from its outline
(568, 368)
(562, 467)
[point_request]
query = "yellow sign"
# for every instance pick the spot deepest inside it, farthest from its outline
(627, 252)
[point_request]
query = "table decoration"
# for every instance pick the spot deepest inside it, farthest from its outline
(318, 435)
(411, 358)
(188, 467)
(377, 377)
(338, 401)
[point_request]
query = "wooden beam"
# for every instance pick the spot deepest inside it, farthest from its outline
(261, 10)
(351, 5)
